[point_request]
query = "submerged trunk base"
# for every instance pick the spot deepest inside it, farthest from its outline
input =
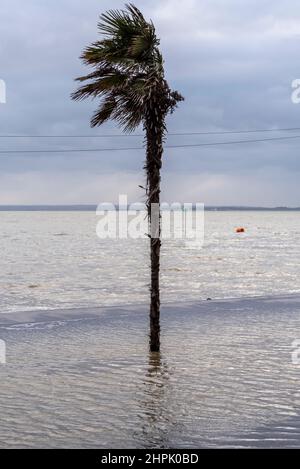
(154, 334)
(155, 245)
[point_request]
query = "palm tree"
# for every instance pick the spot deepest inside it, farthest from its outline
(128, 76)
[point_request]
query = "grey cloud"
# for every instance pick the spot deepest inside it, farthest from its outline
(233, 61)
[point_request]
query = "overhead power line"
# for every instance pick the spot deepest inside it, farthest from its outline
(218, 132)
(208, 144)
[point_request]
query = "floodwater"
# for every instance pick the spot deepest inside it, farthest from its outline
(55, 260)
(85, 379)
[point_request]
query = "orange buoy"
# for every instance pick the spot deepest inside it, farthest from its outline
(240, 230)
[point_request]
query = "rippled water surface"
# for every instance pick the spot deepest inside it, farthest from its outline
(224, 378)
(54, 260)
(84, 377)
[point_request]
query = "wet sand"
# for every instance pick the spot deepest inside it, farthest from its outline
(84, 378)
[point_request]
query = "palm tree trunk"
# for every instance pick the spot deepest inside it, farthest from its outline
(153, 167)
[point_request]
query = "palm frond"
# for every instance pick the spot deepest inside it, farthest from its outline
(104, 112)
(99, 87)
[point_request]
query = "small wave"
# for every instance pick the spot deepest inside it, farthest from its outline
(41, 325)
(35, 325)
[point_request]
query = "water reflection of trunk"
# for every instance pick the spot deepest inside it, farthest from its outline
(155, 402)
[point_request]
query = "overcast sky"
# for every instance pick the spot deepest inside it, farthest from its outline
(233, 60)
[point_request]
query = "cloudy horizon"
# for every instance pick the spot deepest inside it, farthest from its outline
(233, 61)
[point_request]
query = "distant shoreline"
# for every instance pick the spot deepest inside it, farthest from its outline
(92, 208)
